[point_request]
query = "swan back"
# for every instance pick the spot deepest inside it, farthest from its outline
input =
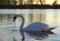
(37, 26)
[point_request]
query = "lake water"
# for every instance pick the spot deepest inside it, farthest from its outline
(9, 30)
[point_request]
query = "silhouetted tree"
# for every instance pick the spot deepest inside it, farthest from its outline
(13, 2)
(20, 1)
(2, 2)
(55, 2)
(8, 2)
(31, 1)
(41, 1)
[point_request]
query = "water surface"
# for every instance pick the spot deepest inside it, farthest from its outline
(9, 30)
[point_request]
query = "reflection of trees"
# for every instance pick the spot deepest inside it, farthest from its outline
(31, 18)
(42, 17)
(28, 17)
(0, 18)
(6, 17)
(35, 17)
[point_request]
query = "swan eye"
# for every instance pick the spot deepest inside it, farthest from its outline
(14, 18)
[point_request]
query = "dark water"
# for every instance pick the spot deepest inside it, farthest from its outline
(9, 30)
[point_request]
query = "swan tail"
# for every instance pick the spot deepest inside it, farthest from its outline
(49, 29)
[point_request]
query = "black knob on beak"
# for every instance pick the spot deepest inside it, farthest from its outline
(14, 18)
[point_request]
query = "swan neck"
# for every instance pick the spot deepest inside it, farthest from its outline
(22, 24)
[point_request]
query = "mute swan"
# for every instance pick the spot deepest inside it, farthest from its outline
(36, 26)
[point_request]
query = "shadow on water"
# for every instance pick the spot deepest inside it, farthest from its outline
(36, 35)
(23, 37)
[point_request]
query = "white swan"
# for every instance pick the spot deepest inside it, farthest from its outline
(36, 26)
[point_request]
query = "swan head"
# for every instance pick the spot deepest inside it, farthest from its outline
(14, 18)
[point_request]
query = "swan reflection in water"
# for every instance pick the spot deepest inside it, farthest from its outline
(36, 35)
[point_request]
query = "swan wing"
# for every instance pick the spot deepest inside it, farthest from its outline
(37, 26)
